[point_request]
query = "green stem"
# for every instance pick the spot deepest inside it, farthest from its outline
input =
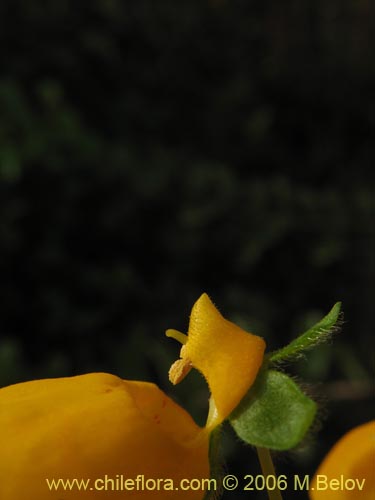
(268, 469)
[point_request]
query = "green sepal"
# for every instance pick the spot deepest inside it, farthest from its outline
(275, 414)
(317, 334)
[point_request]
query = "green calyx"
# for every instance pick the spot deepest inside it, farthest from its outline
(315, 335)
(275, 413)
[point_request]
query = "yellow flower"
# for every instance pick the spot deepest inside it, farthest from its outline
(96, 426)
(348, 471)
(228, 357)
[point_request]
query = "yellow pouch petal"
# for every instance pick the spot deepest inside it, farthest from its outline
(348, 471)
(95, 426)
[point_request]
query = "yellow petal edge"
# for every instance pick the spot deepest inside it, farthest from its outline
(348, 470)
(91, 427)
(228, 357)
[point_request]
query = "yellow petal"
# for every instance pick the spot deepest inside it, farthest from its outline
(349, 464)
(91, 427)
(228, 357)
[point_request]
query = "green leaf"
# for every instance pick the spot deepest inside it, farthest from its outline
(275, 414)
(317, 334)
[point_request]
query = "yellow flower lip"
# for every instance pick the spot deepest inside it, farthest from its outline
(228, 357)
(92, 426)
(350, 462)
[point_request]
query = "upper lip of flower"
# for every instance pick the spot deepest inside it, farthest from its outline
(228, 357)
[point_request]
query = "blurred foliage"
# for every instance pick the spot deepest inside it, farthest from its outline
(150, 151)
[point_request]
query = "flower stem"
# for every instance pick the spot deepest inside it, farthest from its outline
(268, 469)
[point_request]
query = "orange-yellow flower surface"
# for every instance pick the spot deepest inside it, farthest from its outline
(228, 357)
(92, 427)
(348, 471)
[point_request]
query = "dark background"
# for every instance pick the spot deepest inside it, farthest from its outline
(150, 151)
